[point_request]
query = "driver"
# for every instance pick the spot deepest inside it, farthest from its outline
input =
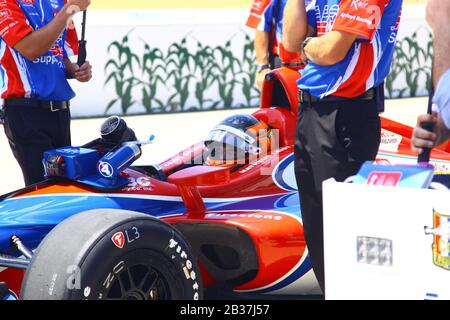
(237, 140)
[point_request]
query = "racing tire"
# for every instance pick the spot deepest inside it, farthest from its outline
(112, 254)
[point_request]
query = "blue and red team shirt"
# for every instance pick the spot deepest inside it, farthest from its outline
(265, 13)
(369, 59)
(45, 77)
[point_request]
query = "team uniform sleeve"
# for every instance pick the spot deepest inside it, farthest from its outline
(311, 14)
(260, 16)
(442, 98)
(360, 18)
(71, 42)
(13, 23)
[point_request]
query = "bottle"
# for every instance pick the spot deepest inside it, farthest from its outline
(113, 163)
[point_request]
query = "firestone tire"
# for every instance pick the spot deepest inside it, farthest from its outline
(112, 254)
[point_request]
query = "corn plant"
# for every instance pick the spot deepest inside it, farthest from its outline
(204, 63)
(248, 71)
(429, 53)
(412, 63)
(396, 71)
(178, 66)
(121, 70)
(152, 65)
(226, 70)
(176, 71)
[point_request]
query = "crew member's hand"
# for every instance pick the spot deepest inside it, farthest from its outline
(82, 74)
(260, 77)
(423, 138)
(81, 4)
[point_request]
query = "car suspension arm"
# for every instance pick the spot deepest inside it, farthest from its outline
(13, 262)
(17, 244)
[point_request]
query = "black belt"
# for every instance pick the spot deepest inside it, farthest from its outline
(305, 96)
(53, 106)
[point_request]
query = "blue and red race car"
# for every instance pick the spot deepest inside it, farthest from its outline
(101, 228)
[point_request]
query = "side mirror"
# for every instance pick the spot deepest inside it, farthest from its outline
(200, 176)
(189, 179)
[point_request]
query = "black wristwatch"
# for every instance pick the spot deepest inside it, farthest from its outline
(302, 49)
(261, 67)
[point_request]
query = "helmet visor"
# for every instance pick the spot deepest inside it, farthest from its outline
(225, 153)
(233, 138)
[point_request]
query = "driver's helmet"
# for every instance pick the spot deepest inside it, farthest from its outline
(237, 140)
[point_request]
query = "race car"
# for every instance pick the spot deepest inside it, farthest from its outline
(100, 228)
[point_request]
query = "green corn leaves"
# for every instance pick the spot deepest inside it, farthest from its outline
(190, 75)
(411, 66)
(188, 70)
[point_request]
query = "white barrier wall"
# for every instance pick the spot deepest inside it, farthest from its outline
(208, 70)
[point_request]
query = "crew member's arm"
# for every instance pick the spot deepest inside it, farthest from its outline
(38, 42)
(329, 49)
(260, 19)
(438, 12)
(350, 23)
(261, 44)
(294, 25)
(326, 50)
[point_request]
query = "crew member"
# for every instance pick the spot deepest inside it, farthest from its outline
(438, 12)
(36, 42)
(347, 46)
(266, 17)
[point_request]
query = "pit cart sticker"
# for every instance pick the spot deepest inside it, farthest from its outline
(441, 239)
(378, 178)
(440, 166)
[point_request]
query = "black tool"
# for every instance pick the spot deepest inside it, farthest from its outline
(82, 43)
(424, 157)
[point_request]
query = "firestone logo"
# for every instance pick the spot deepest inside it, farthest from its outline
(118, 239)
